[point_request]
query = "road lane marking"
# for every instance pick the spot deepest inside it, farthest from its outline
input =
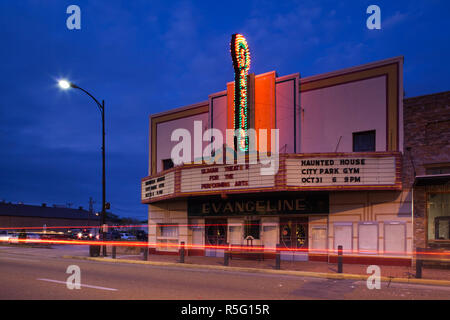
(82, 285)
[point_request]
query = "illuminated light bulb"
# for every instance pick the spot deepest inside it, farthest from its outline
(64, 84)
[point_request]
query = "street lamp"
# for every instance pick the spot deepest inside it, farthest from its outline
(65, 84)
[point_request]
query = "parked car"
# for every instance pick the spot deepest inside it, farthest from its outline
(4, 236)
(127, 236)
(13, 238)
(33, 236)
(73, 233)
(85, 234)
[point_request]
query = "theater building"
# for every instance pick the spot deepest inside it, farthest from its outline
(337, 177)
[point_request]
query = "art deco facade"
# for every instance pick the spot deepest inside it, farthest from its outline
(338, 179)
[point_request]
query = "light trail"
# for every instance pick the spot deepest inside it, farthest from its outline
(221, 247)
(125, 226)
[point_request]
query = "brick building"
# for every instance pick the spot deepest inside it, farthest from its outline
(426, 167)
(22, 216)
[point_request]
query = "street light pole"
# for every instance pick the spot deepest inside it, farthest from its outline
(103, 179)
(101, 106)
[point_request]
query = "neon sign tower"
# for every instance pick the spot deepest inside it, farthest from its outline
(240, 54)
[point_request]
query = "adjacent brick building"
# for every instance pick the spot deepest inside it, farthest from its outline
(426, 167)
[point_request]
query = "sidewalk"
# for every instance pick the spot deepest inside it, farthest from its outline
(322, 269)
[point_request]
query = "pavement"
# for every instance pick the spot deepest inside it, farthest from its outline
(41, 273)
(401, 274)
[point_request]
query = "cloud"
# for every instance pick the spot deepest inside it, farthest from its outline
(397, 18)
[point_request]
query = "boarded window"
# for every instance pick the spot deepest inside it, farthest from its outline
(368, 237)
(319, 237)
(270, 236)
(343, 236)
(235, 234)
(395, 238)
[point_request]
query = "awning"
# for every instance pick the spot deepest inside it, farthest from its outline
(430, 180)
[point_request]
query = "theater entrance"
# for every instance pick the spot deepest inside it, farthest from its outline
(215, 235)
(294, 237)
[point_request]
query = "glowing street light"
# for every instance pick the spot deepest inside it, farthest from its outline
(64, 84)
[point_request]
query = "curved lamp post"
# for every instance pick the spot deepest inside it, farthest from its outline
(64, 84)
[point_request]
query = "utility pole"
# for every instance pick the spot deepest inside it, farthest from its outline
(91, 210)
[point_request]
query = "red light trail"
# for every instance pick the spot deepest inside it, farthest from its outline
(217, 247)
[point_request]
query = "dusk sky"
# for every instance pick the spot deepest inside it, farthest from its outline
(144, 57)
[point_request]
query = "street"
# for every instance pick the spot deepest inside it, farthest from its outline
(40, 273)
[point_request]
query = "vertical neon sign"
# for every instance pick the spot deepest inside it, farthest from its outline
(240, 54)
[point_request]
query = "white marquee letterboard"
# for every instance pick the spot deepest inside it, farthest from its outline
(158, 186)
(225, 177)
(343, 171)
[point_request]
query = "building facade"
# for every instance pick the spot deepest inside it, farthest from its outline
(427, 167)
(23, 216)
(335, 174)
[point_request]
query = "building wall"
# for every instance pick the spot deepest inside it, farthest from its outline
(288, 113)
(168, 212)
(23, 222)
(312, 114)
(165, 129)
(377, 207)
(427, 133)
(381, 209)
(334, 113)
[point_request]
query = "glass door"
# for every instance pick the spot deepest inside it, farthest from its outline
(294, 239)
(215, 235)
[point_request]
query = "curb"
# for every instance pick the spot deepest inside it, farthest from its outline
(337, 276)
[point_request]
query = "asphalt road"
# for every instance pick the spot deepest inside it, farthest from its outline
(32, 273)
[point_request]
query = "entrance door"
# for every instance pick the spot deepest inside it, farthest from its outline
(294, 235)
(215, 235)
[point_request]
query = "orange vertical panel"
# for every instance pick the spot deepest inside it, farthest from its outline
(265, 105)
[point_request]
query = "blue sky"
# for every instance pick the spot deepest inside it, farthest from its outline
(143, 57)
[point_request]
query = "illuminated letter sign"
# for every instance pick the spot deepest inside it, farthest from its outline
(240, 54)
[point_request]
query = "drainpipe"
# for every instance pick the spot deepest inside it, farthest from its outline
(412, 202)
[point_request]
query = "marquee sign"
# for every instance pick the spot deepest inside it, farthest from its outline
(224, 177)
(240, 54)
(341, 171)
(298, 172)
(158, 186)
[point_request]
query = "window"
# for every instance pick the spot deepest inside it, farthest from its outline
(169, 231)
(364, 141)
(252, 229)
(167, 238)
(438, 211)
(167, 164)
